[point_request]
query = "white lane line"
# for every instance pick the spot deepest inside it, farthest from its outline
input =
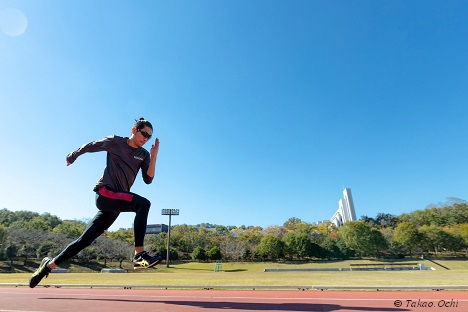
(20, 311)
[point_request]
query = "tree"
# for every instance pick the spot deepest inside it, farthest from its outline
(26, 241)
(436, 238)
(214, 253)
(232, 248)
(292, 223)
(276, 230)
(51, 220)
(7, 218)
(453, 241)
(382, 220)
(345, 251)
(407, 236)
(46, 248)
(122, 251)
(33, 221)
(11, 252)
(270, 247)
(70, 228)
(105, 248)
(87, 254)
(370, 221)
(158, 243)
(379, 243)
(361, 238)
(199, 254)
(38, 224)
(222, 230)
(3, 237)
(126, 235)
(455, 213)
(321, 231)
(246, 243)
(297, 244)
(26, 251)
(385, 220)
(318, 251)
(187, 237)
(461, 231)
(173, 254)
(331, 250)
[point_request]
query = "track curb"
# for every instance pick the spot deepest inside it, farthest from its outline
(253, 287)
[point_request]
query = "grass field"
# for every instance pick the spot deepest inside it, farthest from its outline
(252, 274)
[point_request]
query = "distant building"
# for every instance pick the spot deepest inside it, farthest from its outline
(156, 228)
(345, 210)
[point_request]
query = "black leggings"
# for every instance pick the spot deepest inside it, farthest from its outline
(110, 205)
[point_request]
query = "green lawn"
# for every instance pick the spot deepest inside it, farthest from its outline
(251, 274)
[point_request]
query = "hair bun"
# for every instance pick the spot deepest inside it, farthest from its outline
(141, 123)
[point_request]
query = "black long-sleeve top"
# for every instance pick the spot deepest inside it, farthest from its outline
(123, 162)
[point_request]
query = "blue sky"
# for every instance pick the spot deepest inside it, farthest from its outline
(265, 110)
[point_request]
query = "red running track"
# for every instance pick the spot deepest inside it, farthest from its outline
(88, 300)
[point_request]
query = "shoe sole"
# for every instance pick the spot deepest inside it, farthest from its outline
(149, 266)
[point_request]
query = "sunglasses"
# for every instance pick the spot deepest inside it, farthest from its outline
(145, 134)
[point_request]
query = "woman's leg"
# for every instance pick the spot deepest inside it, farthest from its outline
(110, 205)
(142, 208)
(101, 222)
(108, 200)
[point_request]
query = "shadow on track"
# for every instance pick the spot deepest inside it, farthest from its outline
(252, 306)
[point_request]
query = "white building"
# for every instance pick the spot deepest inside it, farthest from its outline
(345, 210)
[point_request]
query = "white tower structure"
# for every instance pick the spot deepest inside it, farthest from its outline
(345, 210)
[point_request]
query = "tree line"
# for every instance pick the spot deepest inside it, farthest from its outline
(442, 228)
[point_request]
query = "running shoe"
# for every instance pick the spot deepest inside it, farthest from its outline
(144, 261)
(42, 271)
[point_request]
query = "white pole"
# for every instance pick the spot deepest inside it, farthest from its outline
(168, 242)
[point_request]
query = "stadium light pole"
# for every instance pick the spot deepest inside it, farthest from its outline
(170, 213)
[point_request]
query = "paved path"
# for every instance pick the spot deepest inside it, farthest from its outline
(89, 300)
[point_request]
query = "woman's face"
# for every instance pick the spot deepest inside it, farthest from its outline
(140, 137)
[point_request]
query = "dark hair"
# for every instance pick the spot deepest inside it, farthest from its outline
(141, 123)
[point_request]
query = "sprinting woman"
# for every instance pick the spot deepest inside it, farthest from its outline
(125, 157)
